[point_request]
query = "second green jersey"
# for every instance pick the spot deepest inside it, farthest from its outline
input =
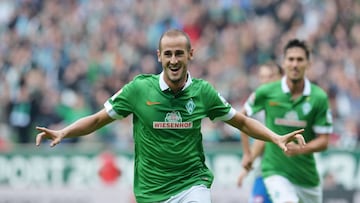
(169, 155)
(283, 115)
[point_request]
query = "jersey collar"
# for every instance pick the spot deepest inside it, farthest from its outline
(164, 86)
(285, 87)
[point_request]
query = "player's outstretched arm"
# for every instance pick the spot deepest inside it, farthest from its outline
(246, 161)
(83, 126)
(256, 150)
(257, 130)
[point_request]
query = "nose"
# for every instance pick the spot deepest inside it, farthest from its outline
(173, 59)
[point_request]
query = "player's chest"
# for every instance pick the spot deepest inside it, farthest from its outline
(169, 108)
(300, 108)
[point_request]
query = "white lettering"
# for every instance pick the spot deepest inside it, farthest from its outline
(18, 172)
(84, 171)
(172, 125)
(344, 170)
(291, 123)
(57, 169)
(226, 166)
(39, 171)
(4, 164)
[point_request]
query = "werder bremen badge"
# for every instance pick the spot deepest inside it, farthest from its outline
(190, 106)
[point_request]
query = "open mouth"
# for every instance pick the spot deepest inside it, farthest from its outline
(174, 69)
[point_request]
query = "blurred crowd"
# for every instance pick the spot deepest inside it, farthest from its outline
(61, 59)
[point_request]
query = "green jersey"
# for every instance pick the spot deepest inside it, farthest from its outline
(283, 115)
(169, 155)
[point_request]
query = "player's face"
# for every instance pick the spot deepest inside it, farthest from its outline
(295, 63)
(174, 57)
(265, 74)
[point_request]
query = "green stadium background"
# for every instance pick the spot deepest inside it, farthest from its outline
(61, 59)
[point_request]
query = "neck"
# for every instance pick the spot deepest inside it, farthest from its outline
(296, 87)
(177, 86)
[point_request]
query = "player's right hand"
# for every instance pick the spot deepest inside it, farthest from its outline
(241, 177)
(54, 135)
(247, 161)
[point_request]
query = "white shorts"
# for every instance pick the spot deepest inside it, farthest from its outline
(195, 194)
(281, 190)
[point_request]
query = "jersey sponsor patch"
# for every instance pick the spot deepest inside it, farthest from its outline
(173, 120)
(172, 125)
(290, 123)
(291, 119)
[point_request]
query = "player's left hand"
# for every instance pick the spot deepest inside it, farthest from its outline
(293, 136)
(247, 161)
(242, 177)
(293, 149)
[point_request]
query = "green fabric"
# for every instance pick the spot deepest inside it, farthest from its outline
(169, 155)
(283, 115)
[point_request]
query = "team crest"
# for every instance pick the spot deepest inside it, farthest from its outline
(306, 108)
(190, 106)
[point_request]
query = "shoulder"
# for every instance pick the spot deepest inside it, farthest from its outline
(318, 91)
(141, 82)
(145, 79)
(201, 83)
(269, 87)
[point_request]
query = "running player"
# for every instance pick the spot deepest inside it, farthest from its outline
(167, 112)
(267, 72)
(289, 104)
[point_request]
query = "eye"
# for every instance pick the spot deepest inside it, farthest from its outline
(167, 53)
(300, 59)
(179, 53)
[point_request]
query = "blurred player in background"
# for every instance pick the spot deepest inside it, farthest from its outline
(268, 72)
(167, 112)
(289, 104)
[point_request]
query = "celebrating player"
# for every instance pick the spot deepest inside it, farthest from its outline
(167, 111)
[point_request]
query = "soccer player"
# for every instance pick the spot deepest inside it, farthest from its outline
(167, 111)
(267, 72)
(289, 104)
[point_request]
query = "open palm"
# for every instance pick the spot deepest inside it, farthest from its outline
(46, 133)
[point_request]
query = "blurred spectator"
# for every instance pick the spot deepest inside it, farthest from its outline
(91, 48)
(21, 113)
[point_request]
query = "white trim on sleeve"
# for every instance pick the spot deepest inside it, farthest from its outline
(111, 112)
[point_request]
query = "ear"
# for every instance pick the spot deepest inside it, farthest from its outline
(191, 54)
(310, 64)
(158, 55)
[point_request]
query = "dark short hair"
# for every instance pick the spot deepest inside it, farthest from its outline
(275, 66)
(297, 43)
(174, 33)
